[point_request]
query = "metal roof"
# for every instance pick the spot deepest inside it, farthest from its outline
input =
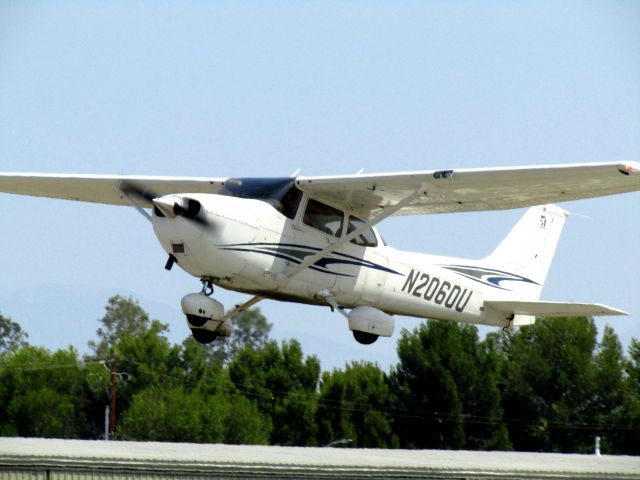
(285, 461)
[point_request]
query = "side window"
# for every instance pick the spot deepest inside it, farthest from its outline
(289, 202)
(323, 217)
(364, 239)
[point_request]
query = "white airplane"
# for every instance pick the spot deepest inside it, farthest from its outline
(311, 239)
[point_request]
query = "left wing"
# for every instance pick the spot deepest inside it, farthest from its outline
(103, 188)
(469, 190)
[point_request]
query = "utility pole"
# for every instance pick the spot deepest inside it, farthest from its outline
(114, 393)
(106, 422)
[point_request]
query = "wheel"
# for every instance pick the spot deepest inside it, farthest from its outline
(364, 338)
(196, 321)
(203, 336)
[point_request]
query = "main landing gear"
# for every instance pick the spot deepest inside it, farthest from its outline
(205, 315)
(365, 322)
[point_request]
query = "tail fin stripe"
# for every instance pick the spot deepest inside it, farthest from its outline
(488, 276)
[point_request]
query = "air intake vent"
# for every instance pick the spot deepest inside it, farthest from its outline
(178, 248)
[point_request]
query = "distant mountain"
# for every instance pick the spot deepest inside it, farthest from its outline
(56, 316)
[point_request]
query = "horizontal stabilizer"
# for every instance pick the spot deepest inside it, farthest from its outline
(552, 309)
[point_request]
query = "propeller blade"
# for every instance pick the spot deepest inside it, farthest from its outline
(133, 189)
(179, 206)
(191, 212)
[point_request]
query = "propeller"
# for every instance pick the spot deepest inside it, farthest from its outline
(187, 208)
(132, 189)
(190, 212)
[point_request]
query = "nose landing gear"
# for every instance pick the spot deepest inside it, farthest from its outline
(205, 315)
(207, 287)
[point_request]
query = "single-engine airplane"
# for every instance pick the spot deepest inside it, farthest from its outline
(312, 239)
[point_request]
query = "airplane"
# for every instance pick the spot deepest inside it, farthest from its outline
(312, 240)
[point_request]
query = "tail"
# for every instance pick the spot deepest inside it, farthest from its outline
(519, 267)
(525, 255)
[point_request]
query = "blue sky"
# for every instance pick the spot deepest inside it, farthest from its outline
(266, 88)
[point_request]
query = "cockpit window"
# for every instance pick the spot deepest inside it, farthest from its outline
(323, 217)
(364, 239)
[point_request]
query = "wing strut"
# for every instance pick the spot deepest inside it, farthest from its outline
(238, 309)
(133, 203)
(386, 212)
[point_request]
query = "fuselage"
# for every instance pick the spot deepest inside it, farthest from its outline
(250, 246)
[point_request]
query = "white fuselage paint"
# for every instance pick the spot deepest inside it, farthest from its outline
(250, 247)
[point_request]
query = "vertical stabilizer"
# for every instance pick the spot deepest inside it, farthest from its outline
(527, 251)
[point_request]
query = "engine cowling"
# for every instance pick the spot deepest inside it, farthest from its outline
(204, 317)
(369, 323)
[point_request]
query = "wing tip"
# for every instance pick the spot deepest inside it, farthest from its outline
(629, 168)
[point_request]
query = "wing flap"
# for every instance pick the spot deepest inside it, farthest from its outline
(470, 190)
(102, 188)
(552, 309)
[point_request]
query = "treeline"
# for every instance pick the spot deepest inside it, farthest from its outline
(547, 387)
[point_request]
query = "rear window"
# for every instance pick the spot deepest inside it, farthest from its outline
(364, 239)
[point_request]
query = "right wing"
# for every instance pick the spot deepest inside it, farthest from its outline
(472, 190)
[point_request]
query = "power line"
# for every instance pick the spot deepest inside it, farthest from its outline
(346, 406)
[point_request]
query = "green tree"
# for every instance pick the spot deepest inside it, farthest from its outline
(549, 385)
(181, 393)
(612, 393)
(136, 349)
(175, 392)
(244, 424)
(45, 394)
(446, 386)
(633, 365)
(628, 435)
(284, 386)
(12, 336)
(485, 427)
(173, 415)
(147, 359)
(123, 315)
(250, 329)
(200, 368)
(354, 405)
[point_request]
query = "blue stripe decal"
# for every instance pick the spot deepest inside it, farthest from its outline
(297, 253)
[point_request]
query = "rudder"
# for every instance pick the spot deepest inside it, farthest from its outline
(528, 250)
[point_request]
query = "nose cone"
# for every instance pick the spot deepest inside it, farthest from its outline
(173, 223)
(166, 204)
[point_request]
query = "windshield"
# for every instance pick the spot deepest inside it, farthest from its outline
(280, 193)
